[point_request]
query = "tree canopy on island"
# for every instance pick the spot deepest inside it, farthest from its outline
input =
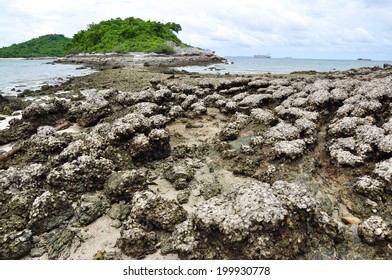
(125, 35)
(44, 46)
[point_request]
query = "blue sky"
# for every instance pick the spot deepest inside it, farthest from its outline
(341, 29)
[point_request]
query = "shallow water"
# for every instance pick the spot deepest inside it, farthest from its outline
(18, 75)
(250, 65)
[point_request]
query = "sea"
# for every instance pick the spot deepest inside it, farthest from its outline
(16, 75)
(251, 65)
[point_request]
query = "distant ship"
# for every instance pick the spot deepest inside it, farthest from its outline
(364, 59)
(262, 56)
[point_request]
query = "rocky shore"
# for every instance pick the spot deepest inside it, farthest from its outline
(181, 57)
(136, 162)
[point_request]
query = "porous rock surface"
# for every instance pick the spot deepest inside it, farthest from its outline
(201, 167)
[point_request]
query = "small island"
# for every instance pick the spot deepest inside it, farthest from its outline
(44, 46)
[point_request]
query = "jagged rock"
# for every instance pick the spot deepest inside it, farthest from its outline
(132, 98)
(254, 100)
(282, 131)
(296, 113)
(147, 109)
(229, 132)
(159, 145)
(347, 125)
(199, 108)
(59, 243)
(369, 134)
(346, 151)
(283, 92)
(306, 126)
(262, 116)
(374, 230)
(49, 211)
(152, 210)
(369, 187)
(18, 130)
(291, 149)
(259, 83)
(22, 178)
(183, 196)
(384, 169)
(90, 111)
(82, 174)
(91, 207)
(45, 140)
(319, 98)
(189, 100)
(158, 121)
(45, 114)
(126, 126)
(209, 190)
(15, 245)
(136, 242)
(120, 211)
(385, 145)
(388, 126)
(231, 106)
(176, 111)
(247, 223)
(123, 184)
(210, 100)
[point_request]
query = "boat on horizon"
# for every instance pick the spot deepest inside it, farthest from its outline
(262, 56)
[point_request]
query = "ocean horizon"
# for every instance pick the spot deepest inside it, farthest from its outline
(20, 74)
(251, 65)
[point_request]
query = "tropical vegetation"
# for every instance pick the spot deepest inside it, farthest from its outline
(114, 35)
(126, 35)
(44, 46)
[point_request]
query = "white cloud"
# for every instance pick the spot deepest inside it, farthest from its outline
(303, 27)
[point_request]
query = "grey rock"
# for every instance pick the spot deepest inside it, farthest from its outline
(89, 112)
(137, 242)
(91, 207)
(146, 109)
(49, 210)
(120, 211)
(384, 169)
(262, 116)
(123, 184)
(22, 178)
(151, 209)
(369, 187)
(85, 173)
(46, 141)
(385, 145)
(59, 243)
(15, 245)
(183, 196)
(252, 213)
(290, 149)
(282, 131)
(373, 230)
(347, 125)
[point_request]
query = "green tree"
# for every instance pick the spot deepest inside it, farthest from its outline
(125, 35)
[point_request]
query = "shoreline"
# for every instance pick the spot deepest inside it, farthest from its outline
(147, 163)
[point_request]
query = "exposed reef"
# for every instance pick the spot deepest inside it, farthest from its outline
(136, 163)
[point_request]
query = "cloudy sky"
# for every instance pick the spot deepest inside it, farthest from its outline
(341, 29)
